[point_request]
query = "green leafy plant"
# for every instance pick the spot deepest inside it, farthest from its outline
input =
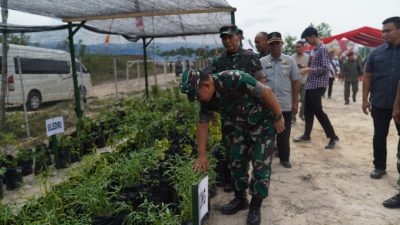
(2, 171)
(150, 213)
(24, 154)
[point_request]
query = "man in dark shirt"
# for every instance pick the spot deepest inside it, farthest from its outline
(261, 41)
(382, 75)
(234, 58)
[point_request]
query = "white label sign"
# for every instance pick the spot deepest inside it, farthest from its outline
(203, 198)
(55, 126)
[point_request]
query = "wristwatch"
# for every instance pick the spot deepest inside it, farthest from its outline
(278, 116)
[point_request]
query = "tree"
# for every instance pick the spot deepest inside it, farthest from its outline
(324, 30)
(21, 39)
(289, 44)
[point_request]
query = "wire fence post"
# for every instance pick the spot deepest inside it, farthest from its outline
(165, 74)
(155, 72)
(23, 98)
(138, 74)
(127, 76)
(116, 78)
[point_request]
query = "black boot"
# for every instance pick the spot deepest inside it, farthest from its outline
(254, 216)
(238, 203)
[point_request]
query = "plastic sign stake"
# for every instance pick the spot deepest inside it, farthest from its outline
(55, 126)
(200, 200)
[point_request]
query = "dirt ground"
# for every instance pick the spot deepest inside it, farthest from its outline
(324, 187)
(327, 187)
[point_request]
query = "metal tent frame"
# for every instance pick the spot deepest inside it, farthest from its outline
(70, 11)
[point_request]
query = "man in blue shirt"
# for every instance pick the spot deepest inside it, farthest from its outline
(284, 80)
(382, 75)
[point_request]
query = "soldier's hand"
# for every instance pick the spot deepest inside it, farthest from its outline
(279, 125)
(366, 107)
(201, 164)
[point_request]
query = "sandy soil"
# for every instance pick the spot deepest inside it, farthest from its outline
(327, 187)
(324, 187)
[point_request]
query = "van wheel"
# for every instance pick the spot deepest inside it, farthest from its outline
(34, 100)
(83, 93)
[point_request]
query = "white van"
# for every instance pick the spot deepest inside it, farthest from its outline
(46, 76)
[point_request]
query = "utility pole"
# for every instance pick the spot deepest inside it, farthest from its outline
(4, 66)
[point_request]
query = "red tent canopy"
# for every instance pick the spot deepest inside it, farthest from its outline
(366, 36)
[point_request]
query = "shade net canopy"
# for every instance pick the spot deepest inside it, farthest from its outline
(366, 36)
(135, 19)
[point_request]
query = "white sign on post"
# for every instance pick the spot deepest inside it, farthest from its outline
(203, 198)
(55, 126)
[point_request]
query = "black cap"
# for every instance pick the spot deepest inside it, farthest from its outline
(229, 30)
(274, 36)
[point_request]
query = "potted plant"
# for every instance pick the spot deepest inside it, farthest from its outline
(85, 135)
(12, 175)
(2, 172)
(42, 158)
(75, 149)
(25, 160)
(99, 137)
(64, 148)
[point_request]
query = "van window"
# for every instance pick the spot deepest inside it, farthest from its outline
(78, 69)
(42, 66)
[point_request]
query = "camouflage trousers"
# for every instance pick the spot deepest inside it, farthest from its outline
(246, 148)
(227, 129)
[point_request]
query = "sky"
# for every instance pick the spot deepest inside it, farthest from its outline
(289, 17)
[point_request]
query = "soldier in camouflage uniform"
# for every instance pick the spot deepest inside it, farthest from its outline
(256, 117)
(234, 58)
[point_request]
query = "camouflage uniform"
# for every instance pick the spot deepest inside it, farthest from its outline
(237, 98)
(243, 60)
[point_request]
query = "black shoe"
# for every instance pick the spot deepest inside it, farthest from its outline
(347, 102)
(238, 203)
(377, 173)
(393, 202)
(354, 99)
(286, 164)
(302, 138)
(332, 143)
(228, 187)
(254, 216)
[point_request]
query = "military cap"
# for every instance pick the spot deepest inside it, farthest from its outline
(229, 30)
(274, 36)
